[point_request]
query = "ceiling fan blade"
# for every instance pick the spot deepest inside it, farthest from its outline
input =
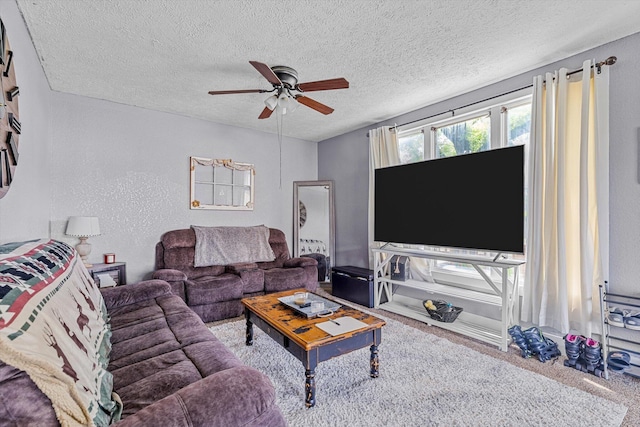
(339, 83)
(314, 104)
(227, 92)
(266, 113)
(266, 72)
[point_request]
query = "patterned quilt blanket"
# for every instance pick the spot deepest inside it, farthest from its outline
(54, 326)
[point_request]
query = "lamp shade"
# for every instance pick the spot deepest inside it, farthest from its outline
(83, 226)
(271, 102)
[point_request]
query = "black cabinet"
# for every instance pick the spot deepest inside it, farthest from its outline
(353, 284)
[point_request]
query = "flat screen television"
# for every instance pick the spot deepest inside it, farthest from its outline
(472, 201)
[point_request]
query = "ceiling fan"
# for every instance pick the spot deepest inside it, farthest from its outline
(285, 81)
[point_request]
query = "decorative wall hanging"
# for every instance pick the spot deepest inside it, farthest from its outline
(221, 184)
(10, 127)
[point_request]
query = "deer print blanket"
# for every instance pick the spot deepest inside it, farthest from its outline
(54, 326)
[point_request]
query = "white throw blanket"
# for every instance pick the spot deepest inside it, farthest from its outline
(231, 245)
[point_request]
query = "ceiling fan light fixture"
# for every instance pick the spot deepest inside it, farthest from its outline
(284, 80)
(283, 100)
(293, 104)
(286, 102)
(271, 102)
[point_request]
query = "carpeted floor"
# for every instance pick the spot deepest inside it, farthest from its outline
(603, 395)
(618, 388)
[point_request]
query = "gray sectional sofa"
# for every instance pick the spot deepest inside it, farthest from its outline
(168, 369)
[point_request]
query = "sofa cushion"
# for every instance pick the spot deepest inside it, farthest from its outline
(282, 279)
(53, 326)
(159, 347)
(252, 280)
(21, 401)
(209, 289)
(219, 310)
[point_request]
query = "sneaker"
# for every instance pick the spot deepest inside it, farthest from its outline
(616, 317)
(632, 321)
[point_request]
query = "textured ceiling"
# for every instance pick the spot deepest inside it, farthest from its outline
(398, 55)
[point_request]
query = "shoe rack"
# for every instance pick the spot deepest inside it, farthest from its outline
(619, 338)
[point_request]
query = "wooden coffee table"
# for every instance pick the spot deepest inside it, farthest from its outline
(308, 343)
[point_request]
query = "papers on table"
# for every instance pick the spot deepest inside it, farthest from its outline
(341, 325)
(105, 280)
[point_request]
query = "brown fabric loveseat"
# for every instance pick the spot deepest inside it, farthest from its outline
(214, 292)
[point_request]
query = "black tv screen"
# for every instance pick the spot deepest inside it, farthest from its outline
(473, 201)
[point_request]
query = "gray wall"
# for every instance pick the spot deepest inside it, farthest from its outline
(344, 159)
(24, 210)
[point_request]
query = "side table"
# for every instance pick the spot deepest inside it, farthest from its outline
(117, 271)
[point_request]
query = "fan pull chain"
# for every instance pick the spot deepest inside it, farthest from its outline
(279, 123)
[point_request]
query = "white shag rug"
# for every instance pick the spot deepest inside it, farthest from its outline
(424, 380)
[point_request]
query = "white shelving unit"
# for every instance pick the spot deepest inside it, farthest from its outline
(503, 293)
(617, 337)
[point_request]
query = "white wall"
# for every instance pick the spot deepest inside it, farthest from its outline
(24, 210)
(130, 167)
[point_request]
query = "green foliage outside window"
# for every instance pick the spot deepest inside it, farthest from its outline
(462, 138)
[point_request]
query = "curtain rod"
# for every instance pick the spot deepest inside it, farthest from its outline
(609, 61)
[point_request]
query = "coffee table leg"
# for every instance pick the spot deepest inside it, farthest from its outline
(375, 364)
(310, 388)
(249, 333)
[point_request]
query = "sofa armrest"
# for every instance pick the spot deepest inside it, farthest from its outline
(300, 262)
(169, 275)
(130, 294)
(176, 278)
(240, 267)
(240, 396)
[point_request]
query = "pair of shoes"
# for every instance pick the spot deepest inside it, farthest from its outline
(538, 344)
(584, 354)
(624, 318)
(619, 360)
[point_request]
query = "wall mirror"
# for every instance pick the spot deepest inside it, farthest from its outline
(314, 224)
(221, 184)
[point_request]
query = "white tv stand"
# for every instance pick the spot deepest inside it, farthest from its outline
(503, 295)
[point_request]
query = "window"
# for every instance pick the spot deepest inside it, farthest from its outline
(501, 122)
(221, 184)
(411, 147)
(469, 136)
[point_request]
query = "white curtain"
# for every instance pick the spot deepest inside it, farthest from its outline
(383, 152)
(567, 241)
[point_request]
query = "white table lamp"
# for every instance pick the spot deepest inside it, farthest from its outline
(83, 227)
